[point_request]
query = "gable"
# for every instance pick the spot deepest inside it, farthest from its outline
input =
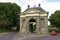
(31, 11)
(38, 9)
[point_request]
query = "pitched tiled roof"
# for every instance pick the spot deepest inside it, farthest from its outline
(36, 8)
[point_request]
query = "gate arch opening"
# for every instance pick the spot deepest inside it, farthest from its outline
(32, 25)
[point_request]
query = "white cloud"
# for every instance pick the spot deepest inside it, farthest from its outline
(51, 6)
(48, 6)
(29, 2)
(7, 1)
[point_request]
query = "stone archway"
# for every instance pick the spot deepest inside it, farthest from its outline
(32, 25)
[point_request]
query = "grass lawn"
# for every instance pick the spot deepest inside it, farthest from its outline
(1, 31)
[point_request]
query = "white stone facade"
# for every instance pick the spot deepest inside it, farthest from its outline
(41, 21)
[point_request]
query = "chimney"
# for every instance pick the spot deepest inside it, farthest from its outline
(39, 5)
(28, 6)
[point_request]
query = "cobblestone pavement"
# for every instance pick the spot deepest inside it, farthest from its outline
(17, 36)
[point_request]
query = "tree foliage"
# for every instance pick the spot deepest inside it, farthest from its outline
(55, 19)
(9, 15)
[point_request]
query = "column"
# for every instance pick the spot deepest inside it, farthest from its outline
(37, 26)
(27, 25)
(20, 25)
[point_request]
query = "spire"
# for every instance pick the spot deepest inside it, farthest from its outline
(34, 3)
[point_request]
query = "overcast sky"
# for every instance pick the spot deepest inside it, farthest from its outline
(48, 5)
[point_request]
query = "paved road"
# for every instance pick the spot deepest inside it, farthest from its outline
(7, 36)
(16, 36)
(43, 38)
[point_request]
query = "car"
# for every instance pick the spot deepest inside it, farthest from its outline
(53, 33)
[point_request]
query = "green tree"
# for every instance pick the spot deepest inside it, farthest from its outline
(9, 15)
(55, 19)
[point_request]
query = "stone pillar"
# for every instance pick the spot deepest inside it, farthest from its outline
(42, 25)
(37, 26)
(24, 26)
(20, 24)
(27, 26)
(46, 24)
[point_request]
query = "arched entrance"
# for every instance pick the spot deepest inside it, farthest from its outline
(32, 25)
